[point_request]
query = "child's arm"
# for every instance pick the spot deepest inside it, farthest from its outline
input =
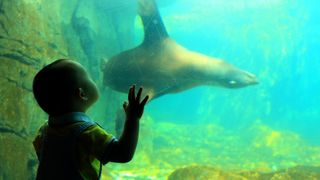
(123, 149)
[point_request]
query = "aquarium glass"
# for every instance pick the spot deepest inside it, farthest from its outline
(203, 129)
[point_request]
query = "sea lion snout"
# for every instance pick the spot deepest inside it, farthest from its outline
(250, 79)
(239, 78)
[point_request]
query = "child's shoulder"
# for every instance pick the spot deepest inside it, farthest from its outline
(95, 139)
(96, 132)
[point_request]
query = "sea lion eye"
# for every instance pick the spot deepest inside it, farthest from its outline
(232, 82)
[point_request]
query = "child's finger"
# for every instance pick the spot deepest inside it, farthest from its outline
(139, 95)
(144, 101)
(131, 93)
(125, 105)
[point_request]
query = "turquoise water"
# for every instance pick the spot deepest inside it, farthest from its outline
(266, 127)
(278, 40)
(263, 128)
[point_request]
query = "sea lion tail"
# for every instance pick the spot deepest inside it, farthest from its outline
(146, 7)
(154, 29)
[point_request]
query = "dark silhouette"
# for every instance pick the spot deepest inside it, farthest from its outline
(70, 145)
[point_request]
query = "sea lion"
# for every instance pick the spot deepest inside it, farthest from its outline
(163, 66)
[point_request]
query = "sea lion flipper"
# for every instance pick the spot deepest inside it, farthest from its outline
(154, 29)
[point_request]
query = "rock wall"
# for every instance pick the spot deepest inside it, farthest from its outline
(34, 33)
(207, 172)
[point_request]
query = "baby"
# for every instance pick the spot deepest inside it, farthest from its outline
(70, 145)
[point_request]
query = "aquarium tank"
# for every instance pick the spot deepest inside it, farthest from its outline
(234, 85)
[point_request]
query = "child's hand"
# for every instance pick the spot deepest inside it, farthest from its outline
(134, 109)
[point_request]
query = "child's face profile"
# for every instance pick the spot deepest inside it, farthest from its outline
(87, 92)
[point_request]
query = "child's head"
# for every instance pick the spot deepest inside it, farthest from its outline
(64, 86)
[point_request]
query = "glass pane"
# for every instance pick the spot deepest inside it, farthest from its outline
(233, 85)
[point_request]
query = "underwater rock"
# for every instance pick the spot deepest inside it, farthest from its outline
(253, 153)
(202, 173)
(14, 155)
(28, 40)
(206, 172)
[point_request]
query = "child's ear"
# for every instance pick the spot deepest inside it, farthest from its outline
(82, 94)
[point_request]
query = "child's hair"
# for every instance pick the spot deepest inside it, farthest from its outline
(54, 87)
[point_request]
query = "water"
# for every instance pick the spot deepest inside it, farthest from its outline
(267, 127)
(278, 40)
(263, 128)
